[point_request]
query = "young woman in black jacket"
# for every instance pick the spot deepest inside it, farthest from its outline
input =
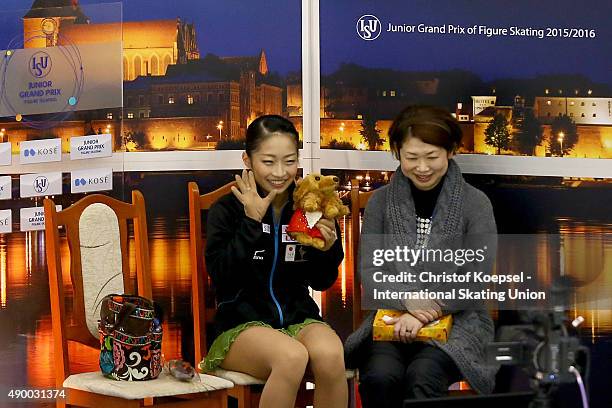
(268, 325)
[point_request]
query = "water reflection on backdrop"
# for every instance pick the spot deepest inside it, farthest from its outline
(26, 354)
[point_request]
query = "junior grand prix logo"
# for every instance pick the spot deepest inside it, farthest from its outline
(368, 27)
(40, 64)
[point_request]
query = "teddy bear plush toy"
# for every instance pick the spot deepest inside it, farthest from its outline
(314, 197)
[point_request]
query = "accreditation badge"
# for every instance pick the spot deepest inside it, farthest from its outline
(290, 253)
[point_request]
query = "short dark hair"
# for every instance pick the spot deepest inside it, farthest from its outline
(431, 124)
(264, 126)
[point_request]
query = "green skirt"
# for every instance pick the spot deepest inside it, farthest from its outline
(221, 345)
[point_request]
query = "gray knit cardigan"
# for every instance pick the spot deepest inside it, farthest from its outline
(460, 207)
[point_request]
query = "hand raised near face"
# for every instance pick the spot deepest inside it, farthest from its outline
(255, 206)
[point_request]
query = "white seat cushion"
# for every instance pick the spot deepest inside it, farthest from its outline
(237, 377)
(163, 386)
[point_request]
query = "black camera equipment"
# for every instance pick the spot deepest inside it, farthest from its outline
(547, 347)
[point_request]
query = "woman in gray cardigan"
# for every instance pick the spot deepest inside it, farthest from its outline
(426, 198)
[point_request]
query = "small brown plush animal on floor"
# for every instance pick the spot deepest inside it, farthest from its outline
(314, 197)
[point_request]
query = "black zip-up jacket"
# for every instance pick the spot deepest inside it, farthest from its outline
(251, 266)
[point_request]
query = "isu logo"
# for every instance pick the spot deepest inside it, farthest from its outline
(41, 184)
(40, 64)
(368, 27)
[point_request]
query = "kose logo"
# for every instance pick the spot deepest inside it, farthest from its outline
(368, 27)
(91, 180)
(43, 151)
(40, 64)
(41, 184)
